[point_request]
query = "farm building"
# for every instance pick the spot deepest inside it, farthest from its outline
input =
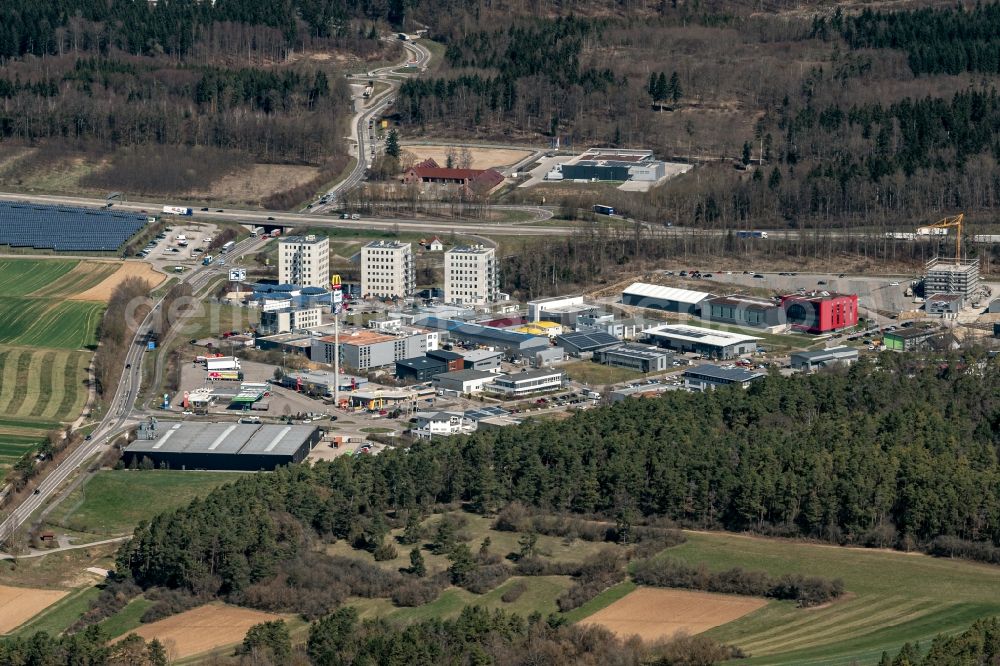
(820, 311)
(472, 181)
(706, 377)
(807, 361)
(225, 446)
(668, 299)
(641, 358)
(585, 343)
(705, 341)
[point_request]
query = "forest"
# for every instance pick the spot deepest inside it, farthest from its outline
(867, 456)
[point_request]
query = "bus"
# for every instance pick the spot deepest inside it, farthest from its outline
(227, 247)
(604, 210)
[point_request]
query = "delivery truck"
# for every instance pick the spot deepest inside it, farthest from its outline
(177, 210)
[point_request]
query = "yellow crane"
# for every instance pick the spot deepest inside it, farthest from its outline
(953, 221)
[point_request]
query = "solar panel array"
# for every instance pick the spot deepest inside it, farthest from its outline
(588, 340)
(66, 229)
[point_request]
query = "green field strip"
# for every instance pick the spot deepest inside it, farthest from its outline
(20, 277)
(867, 649)
(20, 384)
(18, 315)
(15, 450)
(52, 386)
(60, 616)
(38, 394)
(807, 621)
(82, 277)
(69, 386)
(28, 423)
(66, 325)
(836, 628)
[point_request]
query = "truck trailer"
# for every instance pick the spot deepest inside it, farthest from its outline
(177, 210)
(751, 234)
(222, 363)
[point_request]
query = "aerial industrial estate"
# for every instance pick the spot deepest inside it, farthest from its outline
(383, 338)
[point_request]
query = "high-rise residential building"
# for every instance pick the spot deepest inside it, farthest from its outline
(387, 270)
(304, 261)
(471, 275)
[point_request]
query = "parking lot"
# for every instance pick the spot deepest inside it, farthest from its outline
(182, 243)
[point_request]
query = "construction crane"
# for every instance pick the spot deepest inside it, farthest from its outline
(953, 221)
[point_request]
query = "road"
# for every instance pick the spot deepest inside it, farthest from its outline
(119, 414)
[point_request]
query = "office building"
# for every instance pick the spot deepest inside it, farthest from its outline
(304, 261)
(526, 383)
(288, 320)
(471, 275)
(387, 270)
(706, 377)
(362, 349)
(704, 341)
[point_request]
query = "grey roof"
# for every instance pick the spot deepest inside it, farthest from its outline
(444, 355)
(638, 351)
(529, 374)
(422, 362)
(474, 355)
(725, 374)
(466, 375)
(824, 354)
(225, 438)
(588, 340)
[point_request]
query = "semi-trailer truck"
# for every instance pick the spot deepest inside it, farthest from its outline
(177, 210)
(222, 363)
(751, 234)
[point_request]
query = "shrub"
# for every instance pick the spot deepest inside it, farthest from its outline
(385, 551)
(485, 578)
(419, 592)
(514, 592)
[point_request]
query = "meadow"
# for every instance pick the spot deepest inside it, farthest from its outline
(113, 502)
(892, 597)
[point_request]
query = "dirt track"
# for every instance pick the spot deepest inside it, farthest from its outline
(655, 613)
(102, 291)
(204, 628)
(20, 604)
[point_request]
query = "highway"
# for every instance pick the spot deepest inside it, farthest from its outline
(120, 407)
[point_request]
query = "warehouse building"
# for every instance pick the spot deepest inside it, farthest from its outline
(481, 359)
(641, 358)
(586, 343)
(910, 339)
(454, 360)
(668, 299)
(807, 361)
(464, 382)
(513, 345)
(704, 341)
(547, 357)
(820, 311)
(420, 368)
(744, 311)
(538, 308)
(289, 343)
(223, 446)
(705, 377)
(549, 329)
(611, 164)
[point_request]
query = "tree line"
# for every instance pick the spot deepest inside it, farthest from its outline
(861, 456)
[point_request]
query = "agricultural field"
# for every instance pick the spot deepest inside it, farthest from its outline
(203, 628)
(481, 158)
(50, 310)
(20, 604)
(657, 613)
(113, 502)
(892, 598)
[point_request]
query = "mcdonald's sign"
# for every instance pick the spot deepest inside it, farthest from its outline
(335, 282)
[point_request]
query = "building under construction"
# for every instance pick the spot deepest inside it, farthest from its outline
(951, 276)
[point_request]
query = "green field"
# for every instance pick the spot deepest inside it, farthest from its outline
(48, 322)
(595, 374)
(892, 598)
(114, 501)
(20, 277)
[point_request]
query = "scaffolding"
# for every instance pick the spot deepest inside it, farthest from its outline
(944, 275)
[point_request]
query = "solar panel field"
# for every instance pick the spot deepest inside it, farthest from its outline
(46, 344)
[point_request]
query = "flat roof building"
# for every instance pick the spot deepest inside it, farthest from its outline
(668, 299)
(387, 270)
(706, 377)
(287, 320)
(464, 382)
(704, 341)
(471, 275)
(586, 342)
(304, 261)
(512, 344)
(225, 446)
(743, 311)
(526, 383)
(321, 382)
(944, 305)
(363, 349)
(420, 368)
(909, 339)
(807, 361)
(538, 307)
(820, 311)
(948, 276)
(641, 358)
(481, 359)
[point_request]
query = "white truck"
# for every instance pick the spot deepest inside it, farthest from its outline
(222, 363)
(177, 210)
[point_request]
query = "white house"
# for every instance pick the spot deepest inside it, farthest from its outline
(434, 245)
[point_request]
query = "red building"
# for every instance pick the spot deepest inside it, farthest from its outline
(820, 312)
(478, 181)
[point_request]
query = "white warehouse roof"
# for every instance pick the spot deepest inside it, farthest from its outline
(705, 336)
(646, 290)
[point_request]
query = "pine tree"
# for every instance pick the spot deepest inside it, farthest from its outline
(661, 88)
(392, 144)
(746, 153)
(417, 566)
(675, 88)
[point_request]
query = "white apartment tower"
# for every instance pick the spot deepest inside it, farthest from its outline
(387, 270)
(304, 261)
(471, 275)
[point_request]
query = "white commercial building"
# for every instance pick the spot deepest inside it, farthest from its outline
(471, 275)
(289, 319)
(387, 270)
(526, 383)
(304, 261)
(536, 309)
(464, 382)
(705, 341)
